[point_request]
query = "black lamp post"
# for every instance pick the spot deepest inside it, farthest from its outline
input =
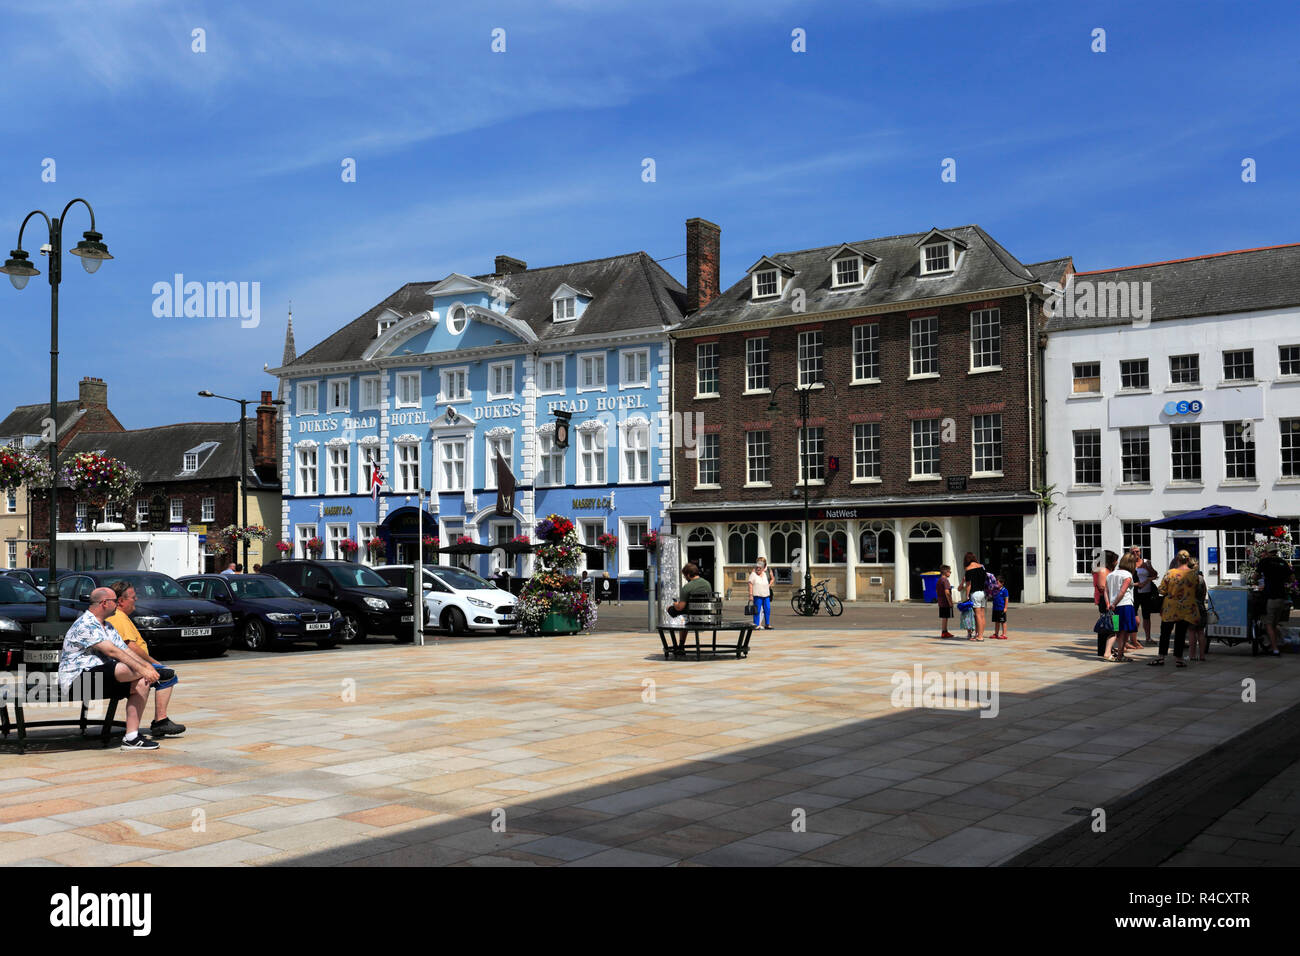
(243, 457)
(805, 394)
(92, 251)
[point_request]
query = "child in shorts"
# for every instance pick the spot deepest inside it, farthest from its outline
(944, 593)
(1000, 611)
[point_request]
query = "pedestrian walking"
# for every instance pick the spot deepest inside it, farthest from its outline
(760, 593)
(943, 593)
(1197, 641)
(1177, 609)
(974, 588)
(1275, 577)
(1147, 600)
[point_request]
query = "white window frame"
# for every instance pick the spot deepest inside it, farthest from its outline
(994, 318)
(626, 539)
(1191, 429)
(863, 446)
(302, 534)
(366, 384)
(717, 369)
(83, 514)
(1293, 360)
(1289, 449)
(305, 471)
(493, 369)
(189, 462)
(370, 455)
(812, 455)
(338, 469)
(582, 359)
(584, 454)
(489, 460)
(335, 534)
(177, 511)
(401, 469)
(860, 340)
(1250, 354)
(454, 328)
(564, 308)
(333, 387)
(950, 254)
(837, 283)
(306, 389)
(992, 421)
(13, 554)
(141, 512)
(1235, 445)
(710, 451)
(758, 468)
(1076, 378)
(11, 502)
(627, 381)
(364, 533)
(446, 476)
(445, 396)
(402, 378)
(1195, 382)
(752, 363)
(208, 510)
(758, 277)
(1076, 458)
(557, 386)
(1084, 556)
(636, 443)
(921, 433)
(546, 448)
(811, 345)
(916, 333)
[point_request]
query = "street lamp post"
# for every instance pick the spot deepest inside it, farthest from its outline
(93, 252)
(805, 394)
(243, 458)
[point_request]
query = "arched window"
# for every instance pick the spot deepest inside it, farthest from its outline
(786, 538)
(924, 530)
(700, 535)
(830, 543)
(876, 544)
(742, 544)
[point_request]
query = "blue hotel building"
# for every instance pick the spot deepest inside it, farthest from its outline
(434, 383)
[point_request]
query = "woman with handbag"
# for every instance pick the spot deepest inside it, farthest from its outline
(1177, 610)
(760, 594)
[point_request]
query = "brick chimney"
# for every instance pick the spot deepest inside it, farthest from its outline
(92, 392)
(508, 265)
(264, 446)
(703, 249)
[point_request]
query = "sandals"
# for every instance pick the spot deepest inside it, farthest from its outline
(1158, 662)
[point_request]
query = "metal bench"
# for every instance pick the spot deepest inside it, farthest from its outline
(40, 659)
(675, 639)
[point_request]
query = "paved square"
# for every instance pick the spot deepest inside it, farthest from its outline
(595, 751)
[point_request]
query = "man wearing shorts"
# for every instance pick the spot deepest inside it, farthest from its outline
(1147, 598)
(1275, 576)
(121, 622)
(92, 652)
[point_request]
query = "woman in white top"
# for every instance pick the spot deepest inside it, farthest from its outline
(1119, 601)
(760, 593)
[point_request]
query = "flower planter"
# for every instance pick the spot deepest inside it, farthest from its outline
(559, 622)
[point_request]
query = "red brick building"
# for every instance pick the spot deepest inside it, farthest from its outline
(918, 358)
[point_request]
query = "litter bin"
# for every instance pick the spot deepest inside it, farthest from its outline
(930, 586)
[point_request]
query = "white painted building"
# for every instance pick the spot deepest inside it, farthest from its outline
(1186, 393)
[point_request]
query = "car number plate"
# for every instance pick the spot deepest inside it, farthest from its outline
(319, 627)
(41, 657)
(408, 618)
(506, 619)
(196, 632)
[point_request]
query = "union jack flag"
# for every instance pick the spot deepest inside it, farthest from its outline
(376, 482)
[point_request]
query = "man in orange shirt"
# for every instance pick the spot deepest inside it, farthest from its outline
(162, 726)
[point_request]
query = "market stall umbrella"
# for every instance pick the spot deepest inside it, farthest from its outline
(468, 547)
(516, 547)
(1217, 518)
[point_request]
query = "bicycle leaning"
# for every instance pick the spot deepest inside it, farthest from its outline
(808, 604)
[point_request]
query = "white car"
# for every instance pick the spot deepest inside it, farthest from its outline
(459, 601)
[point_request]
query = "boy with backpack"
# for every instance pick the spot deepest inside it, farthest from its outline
(999, 594)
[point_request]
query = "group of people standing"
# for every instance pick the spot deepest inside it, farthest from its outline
(982, 591)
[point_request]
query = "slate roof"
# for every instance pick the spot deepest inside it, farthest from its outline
(1246, 280)
(896, 278)
(158, 453)
(1053, 270)
(629, 293)
(26, 419)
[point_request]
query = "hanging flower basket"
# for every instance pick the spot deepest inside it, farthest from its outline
(520, 539)
(348, 547)
(21, 467)
(651, 540)
(554, 528)
(36, 556)
(253, 532)
(609, 542)
(99, 479)
(315, 546)
(284, 547)
(375, 545)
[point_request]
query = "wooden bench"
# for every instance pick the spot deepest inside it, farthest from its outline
(41, 657)
(674, 639)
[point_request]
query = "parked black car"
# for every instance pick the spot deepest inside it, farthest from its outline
(35, 577)
(20, 605)
(367, 602)
(267, 611)
(167, 616)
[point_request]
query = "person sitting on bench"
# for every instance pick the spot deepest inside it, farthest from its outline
(695, 587)
(94, 653)
(121, 622)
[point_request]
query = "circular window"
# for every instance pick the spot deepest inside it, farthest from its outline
(457, 319)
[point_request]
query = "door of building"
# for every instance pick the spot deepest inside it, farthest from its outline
(1002, 551)
(702, 556)
(922, 556)
(1189, 543)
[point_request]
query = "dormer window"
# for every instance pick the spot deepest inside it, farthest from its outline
(848, 271)
(936, 257)
(385, 324)
(766, 283)
(566, 308)
(190, 462)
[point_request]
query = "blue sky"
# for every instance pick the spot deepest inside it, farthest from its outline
(225, 165)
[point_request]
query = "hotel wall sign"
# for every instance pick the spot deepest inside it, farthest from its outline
(337, 510)
(591, 503)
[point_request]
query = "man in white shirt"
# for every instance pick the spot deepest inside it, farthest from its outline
(94, 651)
